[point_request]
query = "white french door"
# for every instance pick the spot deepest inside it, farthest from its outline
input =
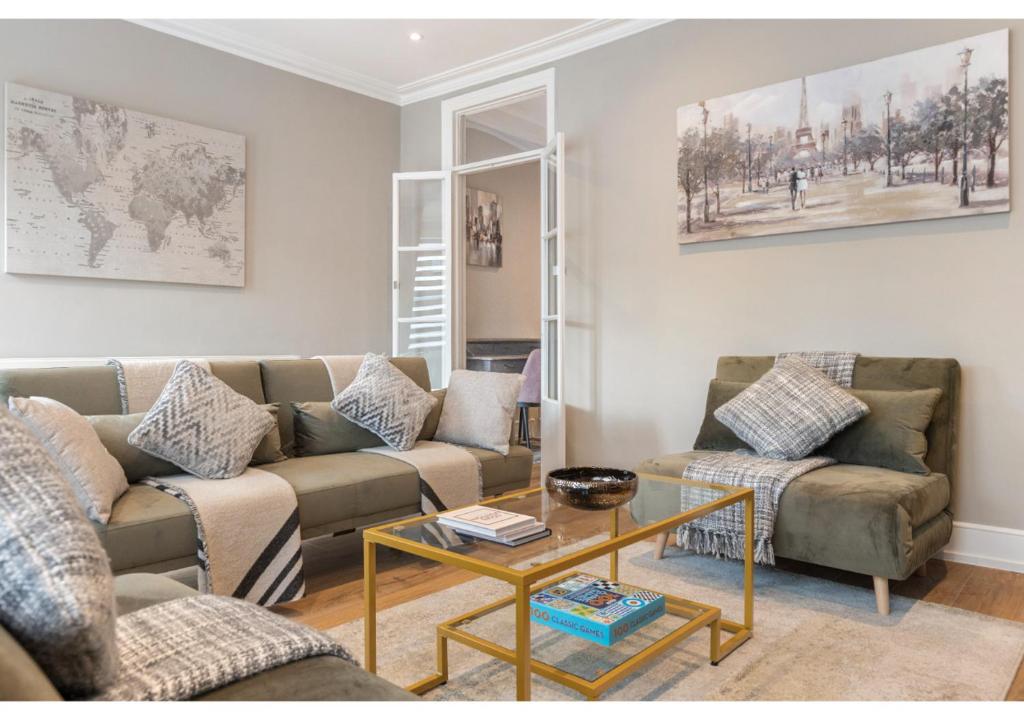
(421, 270)
(552, 305)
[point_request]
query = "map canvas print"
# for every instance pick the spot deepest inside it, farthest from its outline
(880, 142)
(97, 190)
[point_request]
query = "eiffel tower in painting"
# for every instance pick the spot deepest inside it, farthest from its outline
(805, 147)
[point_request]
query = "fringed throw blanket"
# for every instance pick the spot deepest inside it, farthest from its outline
(249, 545)
(721, 533)
(141, 381)
(450, 476)
(183, 648)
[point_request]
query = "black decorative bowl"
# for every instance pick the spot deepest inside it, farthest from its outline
(592, 488)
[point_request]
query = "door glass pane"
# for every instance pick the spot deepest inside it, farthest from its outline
(551, 286)
(552, 199)
(419, 212)
(427, 340)
(551, 358)
(421, 284)
(505, 130)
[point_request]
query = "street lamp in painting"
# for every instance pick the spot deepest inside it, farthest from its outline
(965, 195)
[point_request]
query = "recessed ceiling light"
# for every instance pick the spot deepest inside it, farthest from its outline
(415, 36)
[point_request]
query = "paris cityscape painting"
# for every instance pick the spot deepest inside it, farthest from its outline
(915, 136)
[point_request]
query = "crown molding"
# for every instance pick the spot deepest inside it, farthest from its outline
(575, 40)
(273, 55)
(591, 34)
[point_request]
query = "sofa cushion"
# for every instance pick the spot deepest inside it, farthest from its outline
(334, 488)
(504, 472)
(791, 410)
(96, 477)
(202, 425)
(891, 435)
(20, 677)
(713, 435)
(479, 408)
(285, 381)
(242, 376)
(148, 528)
(317, 678)
(850, 517)
(136, 591)
(89, 390)
(113, 432)
(321, 430)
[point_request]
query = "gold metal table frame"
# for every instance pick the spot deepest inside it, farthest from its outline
(527, 581)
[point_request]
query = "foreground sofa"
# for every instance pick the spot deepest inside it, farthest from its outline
(316, 678)
(858, 518)
(152, 532)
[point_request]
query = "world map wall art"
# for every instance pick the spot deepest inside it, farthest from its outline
(916, 136)
(96, 190)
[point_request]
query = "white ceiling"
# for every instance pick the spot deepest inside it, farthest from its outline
(377, 58)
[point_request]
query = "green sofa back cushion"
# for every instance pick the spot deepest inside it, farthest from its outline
(320, 430)
(113, 431)
(891, 435)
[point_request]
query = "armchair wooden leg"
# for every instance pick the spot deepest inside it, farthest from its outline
(881, 594)
(659, 547)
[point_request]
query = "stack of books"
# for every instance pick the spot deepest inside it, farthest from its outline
(500, 526)
(595, 609)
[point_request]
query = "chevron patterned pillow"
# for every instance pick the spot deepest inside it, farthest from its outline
(202, 425)
(385, 401)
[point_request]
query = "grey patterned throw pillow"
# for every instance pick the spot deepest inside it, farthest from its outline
(792, 410)
(202, 425)
(385, 401)
(57, 592)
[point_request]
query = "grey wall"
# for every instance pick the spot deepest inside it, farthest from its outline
(319, 164)
(646, 320)
(505, 302)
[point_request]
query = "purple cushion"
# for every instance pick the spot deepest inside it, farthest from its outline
(531, 379)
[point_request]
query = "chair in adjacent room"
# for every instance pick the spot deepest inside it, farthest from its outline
(529, 396)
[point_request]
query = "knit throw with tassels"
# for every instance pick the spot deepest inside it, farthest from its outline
(721, 533)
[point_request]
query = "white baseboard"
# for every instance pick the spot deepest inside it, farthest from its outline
(986, 545)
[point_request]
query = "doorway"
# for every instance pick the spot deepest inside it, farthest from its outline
(442, 222)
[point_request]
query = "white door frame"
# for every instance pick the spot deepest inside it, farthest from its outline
(452, 112)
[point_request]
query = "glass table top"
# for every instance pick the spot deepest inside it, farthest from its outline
(658, 498)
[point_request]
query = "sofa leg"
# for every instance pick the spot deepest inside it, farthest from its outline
(881, 594)
(923, 570)
(659, 546)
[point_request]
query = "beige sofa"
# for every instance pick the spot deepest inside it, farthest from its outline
(151, 531)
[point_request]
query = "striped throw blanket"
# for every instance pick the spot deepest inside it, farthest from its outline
(249, 544)
(721, 534)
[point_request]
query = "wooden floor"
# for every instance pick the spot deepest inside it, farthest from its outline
(334, 579)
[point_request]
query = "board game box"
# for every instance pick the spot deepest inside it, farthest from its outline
(598, 610)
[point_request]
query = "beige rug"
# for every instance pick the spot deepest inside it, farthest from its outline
(813, 640)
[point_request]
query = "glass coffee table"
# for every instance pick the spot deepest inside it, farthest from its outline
(577, 536)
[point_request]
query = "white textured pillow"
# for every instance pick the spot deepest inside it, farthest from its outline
(790, 411)
(478, 409)
(201, 425)
(385, 401)
(97, 478)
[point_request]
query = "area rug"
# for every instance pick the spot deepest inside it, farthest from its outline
(813, 640)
